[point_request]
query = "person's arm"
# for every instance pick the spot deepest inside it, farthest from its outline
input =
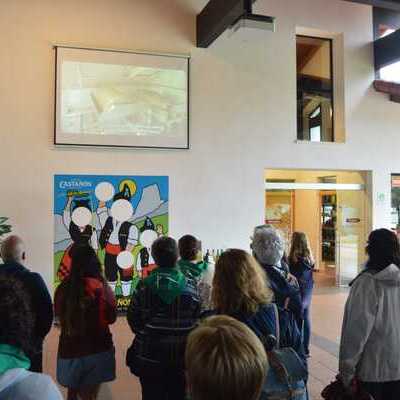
(135, 309)
(67, 213)
(133, 238)
(205, 287)
(358, 322)
(43, 305)
(102, 213)
(292, 293)
(110, 305)
(57, 302)
(94, 240)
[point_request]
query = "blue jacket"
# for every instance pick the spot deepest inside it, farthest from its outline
(42, 304)
(263, 324)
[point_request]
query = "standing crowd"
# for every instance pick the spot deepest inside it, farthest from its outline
(239, 329)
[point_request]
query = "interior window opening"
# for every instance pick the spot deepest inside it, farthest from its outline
(314, 89)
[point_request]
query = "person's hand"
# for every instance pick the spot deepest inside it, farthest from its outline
(350, 388)
(292, 280)
(286, 303)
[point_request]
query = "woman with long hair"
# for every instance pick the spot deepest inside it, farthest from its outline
(85, 306)
(370, 344)
(240, 290)
(301, 263)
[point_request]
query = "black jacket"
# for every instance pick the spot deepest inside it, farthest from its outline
(42, 304)
(160, 329)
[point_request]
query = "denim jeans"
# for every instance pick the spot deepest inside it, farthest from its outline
(307, 330)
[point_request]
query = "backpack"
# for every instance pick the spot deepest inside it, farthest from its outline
(287, 375)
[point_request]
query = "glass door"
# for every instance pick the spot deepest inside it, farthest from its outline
(351, 231)
(279, 212)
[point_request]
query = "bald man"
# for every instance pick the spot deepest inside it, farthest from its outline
(12, 251)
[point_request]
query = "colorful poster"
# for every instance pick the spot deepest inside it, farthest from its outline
(5, 227)
(119, 216)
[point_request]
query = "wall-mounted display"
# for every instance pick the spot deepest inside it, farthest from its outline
(119, 216)
(122, 99)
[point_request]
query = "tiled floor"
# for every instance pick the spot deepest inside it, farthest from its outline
(327, 313)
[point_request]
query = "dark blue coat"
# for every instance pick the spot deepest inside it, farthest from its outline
(283, 289)
(303, 271)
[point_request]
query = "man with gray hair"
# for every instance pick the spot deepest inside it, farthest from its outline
(12, 252)
(283, 263)
(268, 248)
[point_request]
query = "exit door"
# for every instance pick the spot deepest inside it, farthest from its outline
(349, 222)
(351, 235)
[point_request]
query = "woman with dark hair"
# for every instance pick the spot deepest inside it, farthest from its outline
(16, 335)
(200, 272)
(86, 306)
(370, 344)
(301, 262)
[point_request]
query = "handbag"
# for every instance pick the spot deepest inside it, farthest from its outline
(337, 391)
(287, 375)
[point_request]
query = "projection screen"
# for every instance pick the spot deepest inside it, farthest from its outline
(123, 99)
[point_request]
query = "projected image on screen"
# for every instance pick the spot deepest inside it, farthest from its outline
(140, 99)
(121, 99)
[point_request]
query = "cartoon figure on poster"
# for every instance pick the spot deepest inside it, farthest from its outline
(148, 234)
(5, 229)
(118, 237)
(119, 216)
(77, 218)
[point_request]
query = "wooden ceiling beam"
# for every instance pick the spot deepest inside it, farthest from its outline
(387, 50)
(216, 17)
(390, 88)
(388, 4)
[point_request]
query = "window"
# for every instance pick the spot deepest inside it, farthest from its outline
(395, 212)
(314, 89)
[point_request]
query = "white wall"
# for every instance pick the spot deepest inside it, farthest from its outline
(243, 112)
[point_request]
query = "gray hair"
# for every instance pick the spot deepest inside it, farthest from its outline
(268, 245)
(12, 249)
